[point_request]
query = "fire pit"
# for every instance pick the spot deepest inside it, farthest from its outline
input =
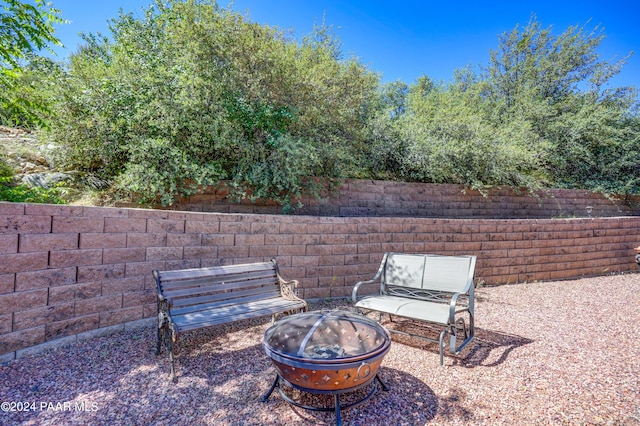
(326, 352)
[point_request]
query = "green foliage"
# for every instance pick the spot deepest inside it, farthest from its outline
(6, 171)
(153, 167)
(25, 29)
(541, 115)
(193, 94)
(447, 137)
(558, 85)
(23, 193)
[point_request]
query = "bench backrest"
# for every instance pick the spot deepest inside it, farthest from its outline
(452, 274)
(219, 284)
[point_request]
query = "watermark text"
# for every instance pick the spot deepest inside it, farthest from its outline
(76, 406)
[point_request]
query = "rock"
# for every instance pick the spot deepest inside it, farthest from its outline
(28, 167)
(44, 180)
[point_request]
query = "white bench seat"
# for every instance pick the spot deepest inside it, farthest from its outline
(421, 310)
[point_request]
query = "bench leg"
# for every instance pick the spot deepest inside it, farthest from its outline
(173, 377)
(162, 328)
(159, 341)
(167, 334)
(460, 327)
(469, 333)
(441, 345)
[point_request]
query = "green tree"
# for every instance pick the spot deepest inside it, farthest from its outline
(451, 139)
(192, 94)
(25, 29)
(540, 115)
(559, 86)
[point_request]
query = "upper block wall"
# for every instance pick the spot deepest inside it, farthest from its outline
(399, 199)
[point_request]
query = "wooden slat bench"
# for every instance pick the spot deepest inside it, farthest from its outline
(189, 299)
(433, 289)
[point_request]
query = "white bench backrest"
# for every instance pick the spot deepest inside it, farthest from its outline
(448, 273)
(430, 272)
(404, 270)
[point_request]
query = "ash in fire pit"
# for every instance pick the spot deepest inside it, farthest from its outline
(326, 352)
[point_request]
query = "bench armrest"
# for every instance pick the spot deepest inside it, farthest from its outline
(156, 277)
(452, 307)
(453, 304)
(288, 289)
(354, 293)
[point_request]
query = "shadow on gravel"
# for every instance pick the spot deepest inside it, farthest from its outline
(490, 348)
(487, 349)
(408, 401)
(222, 373)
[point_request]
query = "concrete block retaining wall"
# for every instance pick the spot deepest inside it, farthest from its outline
(401, 199)
(66, 271)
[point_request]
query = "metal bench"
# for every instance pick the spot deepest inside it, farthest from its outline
(432, 289)
(189, 299)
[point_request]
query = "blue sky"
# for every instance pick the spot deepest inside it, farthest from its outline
(404, 40)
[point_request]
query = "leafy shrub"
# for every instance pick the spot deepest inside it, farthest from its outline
(193, 94)
(5, 169)
(24, 194)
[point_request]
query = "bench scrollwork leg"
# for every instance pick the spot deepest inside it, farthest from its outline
(163, 322)
(166, 333)
(170, 339)
(160, 333)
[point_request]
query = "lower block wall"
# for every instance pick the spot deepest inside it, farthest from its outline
(68, 270)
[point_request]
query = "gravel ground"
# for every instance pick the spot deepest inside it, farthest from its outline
(561, 352)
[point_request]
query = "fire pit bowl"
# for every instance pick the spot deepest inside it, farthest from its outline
(326, 352)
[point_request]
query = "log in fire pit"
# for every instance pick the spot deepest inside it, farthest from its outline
(326, 352)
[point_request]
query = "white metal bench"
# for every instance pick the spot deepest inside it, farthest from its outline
(189, 299)
(433, 289)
